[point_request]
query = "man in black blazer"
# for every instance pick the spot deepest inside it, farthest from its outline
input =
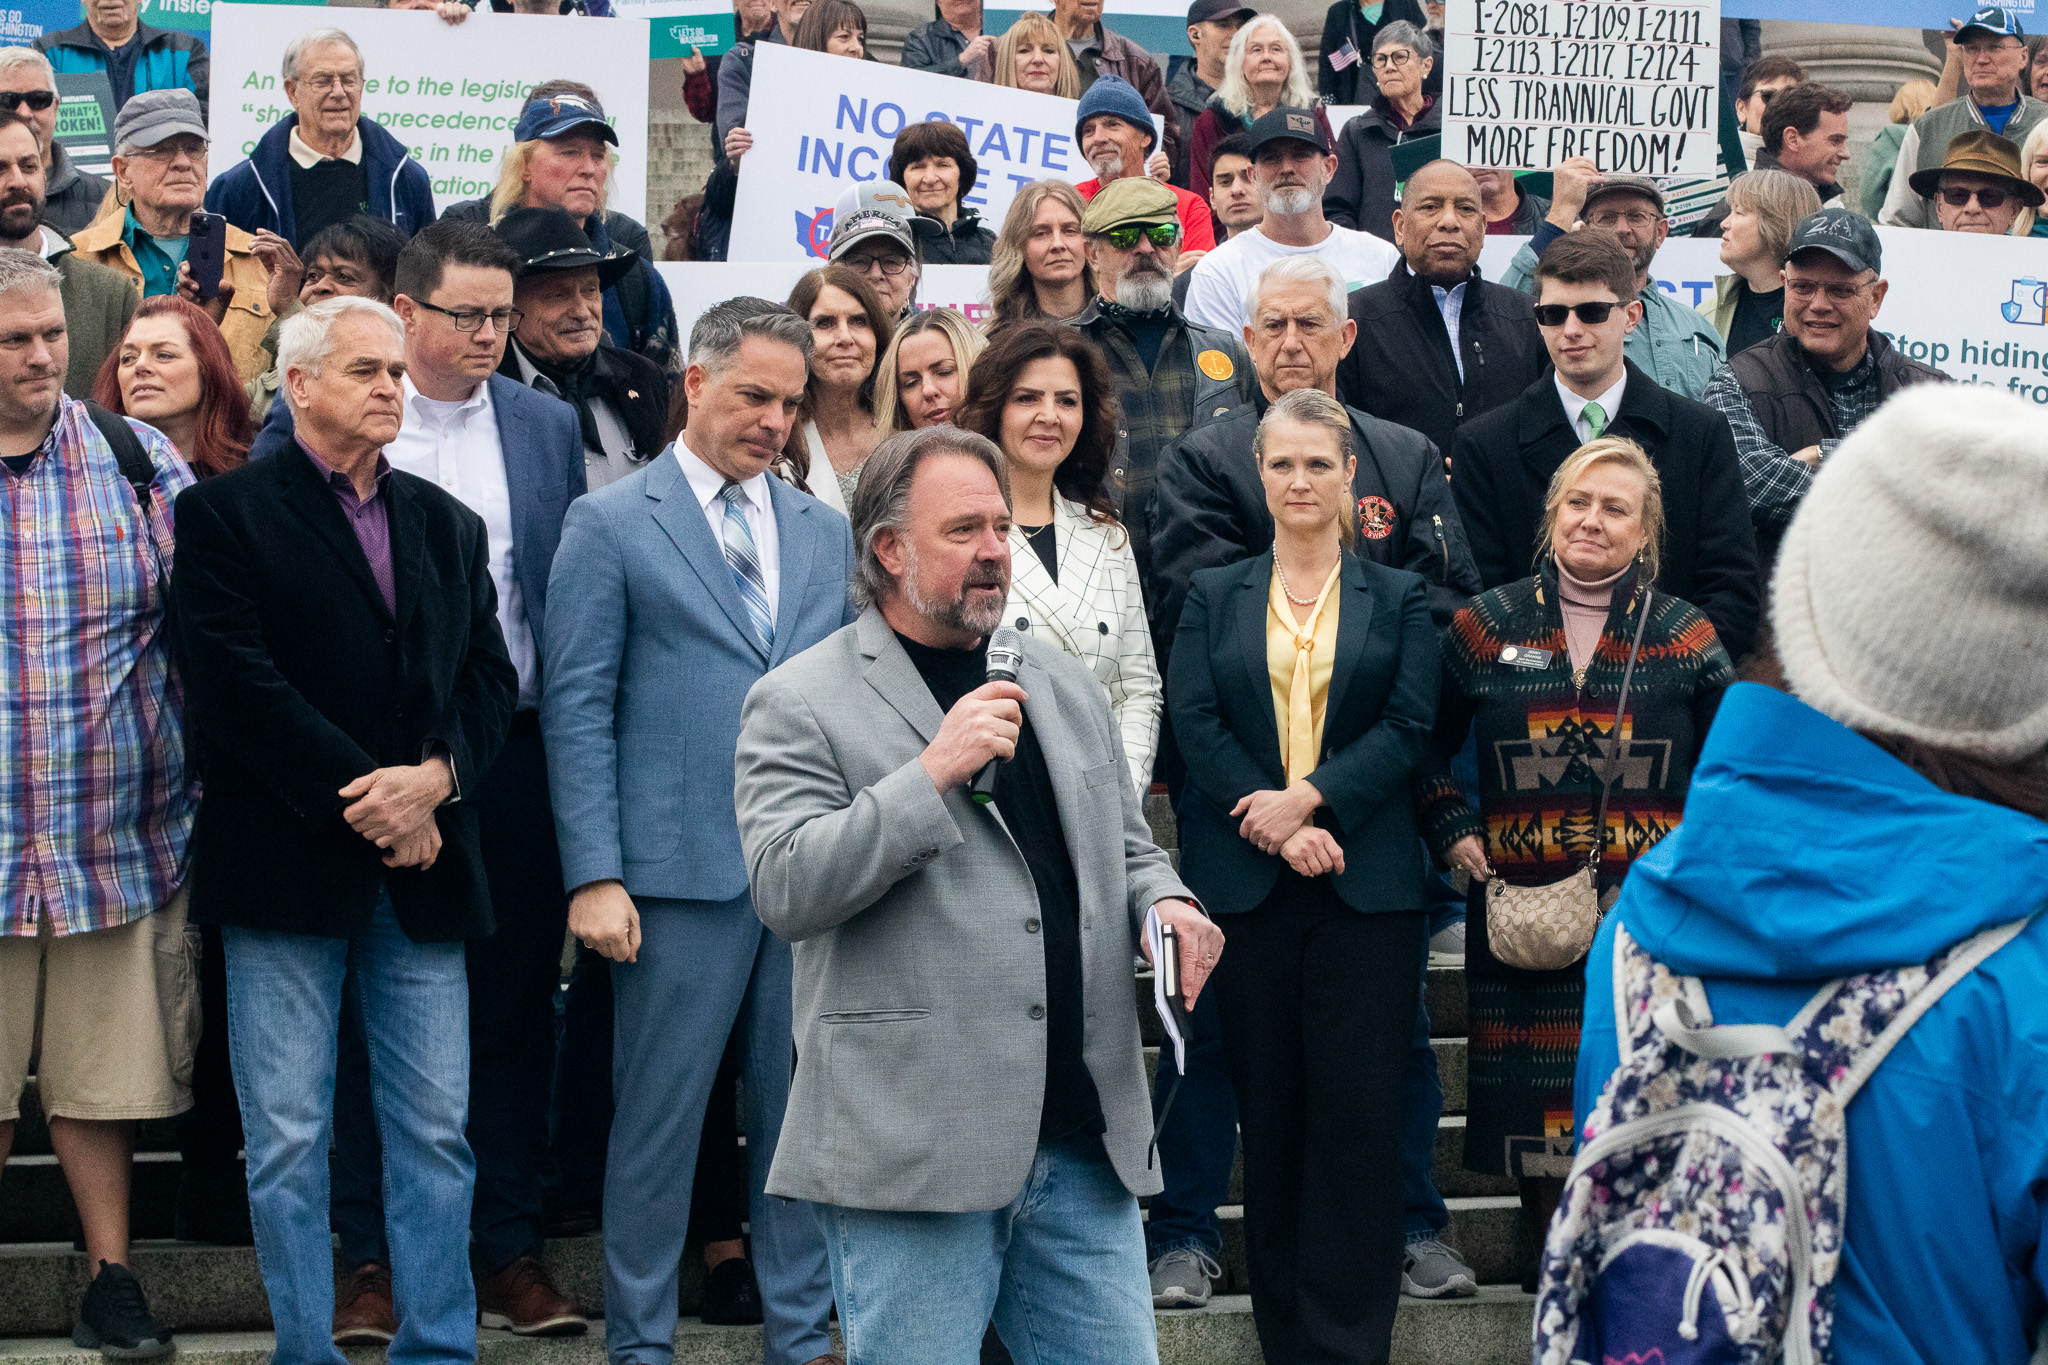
(1504, 461)
(1438, 345)
(347, 682)
(1210, 508)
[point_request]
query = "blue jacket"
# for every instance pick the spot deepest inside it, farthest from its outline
(257, 193)
(543, 447)
(648, 658)
(169, 60)
(1808, 853)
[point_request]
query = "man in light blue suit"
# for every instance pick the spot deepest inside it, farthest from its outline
(675, 589)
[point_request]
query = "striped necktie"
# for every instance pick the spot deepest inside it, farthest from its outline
(746, 565)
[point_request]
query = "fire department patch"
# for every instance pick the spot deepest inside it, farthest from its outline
(1375, 518)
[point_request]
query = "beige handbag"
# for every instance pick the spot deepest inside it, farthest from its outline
(1545, 928)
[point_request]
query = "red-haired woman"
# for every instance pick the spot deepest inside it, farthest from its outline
(173, 371)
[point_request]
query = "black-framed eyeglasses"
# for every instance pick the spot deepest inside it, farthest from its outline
(890, 265)
(38, 100)
(1956, 197)
(1163, 236)
(504, 319)
(1592, 314)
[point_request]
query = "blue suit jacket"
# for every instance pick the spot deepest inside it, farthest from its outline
(543, 446)
(648, 660)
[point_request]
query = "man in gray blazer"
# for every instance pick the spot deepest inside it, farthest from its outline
(969, 1114)
(675, 589)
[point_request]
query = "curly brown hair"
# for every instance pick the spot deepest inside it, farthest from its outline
(1082, 477)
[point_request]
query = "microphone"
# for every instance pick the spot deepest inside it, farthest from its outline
(1005, 657)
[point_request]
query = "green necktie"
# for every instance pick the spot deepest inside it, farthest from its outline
(1596, 420)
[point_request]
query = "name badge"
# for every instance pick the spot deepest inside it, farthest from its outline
(1524, 656)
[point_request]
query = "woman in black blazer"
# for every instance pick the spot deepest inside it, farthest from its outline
(1303, 690)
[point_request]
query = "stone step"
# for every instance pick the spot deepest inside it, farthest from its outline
(1492, 1329)
(220, 1289)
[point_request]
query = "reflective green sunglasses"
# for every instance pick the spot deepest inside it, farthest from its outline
(1163, 236)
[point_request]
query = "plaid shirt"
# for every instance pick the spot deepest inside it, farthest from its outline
(1774, 479)
(95, 803)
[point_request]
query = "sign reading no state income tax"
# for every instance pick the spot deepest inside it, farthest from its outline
(1529, 84)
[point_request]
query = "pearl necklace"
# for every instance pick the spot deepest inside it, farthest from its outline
(1282, 575)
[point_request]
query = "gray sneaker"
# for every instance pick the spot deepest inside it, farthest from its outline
(1431, 1270)
(1447, 946)
(1180, 1279)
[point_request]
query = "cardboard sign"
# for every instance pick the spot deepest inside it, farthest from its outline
(85, 120)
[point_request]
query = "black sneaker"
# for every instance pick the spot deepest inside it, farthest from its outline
(731, 1296)
(114, 1317)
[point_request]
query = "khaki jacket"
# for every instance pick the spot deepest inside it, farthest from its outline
(248, 315)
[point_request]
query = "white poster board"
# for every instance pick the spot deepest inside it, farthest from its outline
(822, 124)
(696, 285)
(1529, 84)
(451, 94)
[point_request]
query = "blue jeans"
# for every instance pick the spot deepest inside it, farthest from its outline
(284, 1009)
(1197, 1143)
(1060, 1268)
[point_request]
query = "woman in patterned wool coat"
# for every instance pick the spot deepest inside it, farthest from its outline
(1535, 669)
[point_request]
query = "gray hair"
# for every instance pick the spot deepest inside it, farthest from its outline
(302, 337)
(313, 37)
(882, 501)
(26, 270)
(1300, 270)
(1235, 94)
(1401, 33)
(11, 57)
(719, 331)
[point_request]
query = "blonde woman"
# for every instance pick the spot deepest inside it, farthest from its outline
(923, 377)
(2034, 166)
(1039, 269)
(1030, 56)
(1913, 99)
(1535, 668)
(1763, 209)
(562, 157)
(1303, 690)
(1263, 69)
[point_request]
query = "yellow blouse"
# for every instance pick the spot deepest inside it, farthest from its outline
(1298, 661)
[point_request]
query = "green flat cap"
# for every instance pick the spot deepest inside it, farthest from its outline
(1134, 200)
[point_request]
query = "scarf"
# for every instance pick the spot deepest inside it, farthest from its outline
(590, 378)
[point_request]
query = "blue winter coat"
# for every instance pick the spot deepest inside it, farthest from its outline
(257, 192)
(171, 59)
(1808, 853)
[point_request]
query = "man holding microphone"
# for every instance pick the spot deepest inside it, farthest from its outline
(969, 1090)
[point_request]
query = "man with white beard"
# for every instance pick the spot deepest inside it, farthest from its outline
(1293, 162)
(1169, 373)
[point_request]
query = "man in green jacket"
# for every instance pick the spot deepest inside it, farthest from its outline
(1675, 344)
(97, 301)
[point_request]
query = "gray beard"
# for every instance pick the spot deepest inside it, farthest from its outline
(1109, 166)
(1291, 202)
(953, 615)
(1146, 293)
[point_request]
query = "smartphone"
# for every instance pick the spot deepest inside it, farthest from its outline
(206, 252)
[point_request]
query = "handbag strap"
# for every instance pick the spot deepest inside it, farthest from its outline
(1628, 673)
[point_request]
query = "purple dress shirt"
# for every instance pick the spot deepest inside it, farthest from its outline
(367, 517)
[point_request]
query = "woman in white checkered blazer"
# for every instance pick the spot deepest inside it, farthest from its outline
(1043, 393)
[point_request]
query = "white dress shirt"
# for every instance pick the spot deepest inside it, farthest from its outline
(303, 153)
(455, 445)
(708, 484)
(1575, 406)
(1451, 303)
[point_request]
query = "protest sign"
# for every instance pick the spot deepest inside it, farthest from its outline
(85, 120)
(1973, 306)
(822, 124)
(1531, 83)
(676, 27)
(696, 285)
(1155, 25)
(452, 95)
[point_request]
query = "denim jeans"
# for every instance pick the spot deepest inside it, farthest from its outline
(1061, 1268)
(1197, 1143)
(284, 1010)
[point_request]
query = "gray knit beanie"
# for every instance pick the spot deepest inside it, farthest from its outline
(1911, 596)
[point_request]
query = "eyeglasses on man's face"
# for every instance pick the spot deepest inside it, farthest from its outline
(1959, 197)
(1163, 236)
(1592, 314)
(469, 320)
(38, 100)
(889, 264)
(1805, 290)
(1640, 219)
(327, 81)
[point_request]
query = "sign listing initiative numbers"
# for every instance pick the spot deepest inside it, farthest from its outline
(1634, 86)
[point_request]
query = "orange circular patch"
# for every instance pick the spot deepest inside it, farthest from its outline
(1216, 365)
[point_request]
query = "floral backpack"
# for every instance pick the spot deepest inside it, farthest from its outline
(1703, 1220)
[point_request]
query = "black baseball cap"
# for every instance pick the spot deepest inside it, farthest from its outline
(1288, 123)
(1846, 236)
(1211, 11)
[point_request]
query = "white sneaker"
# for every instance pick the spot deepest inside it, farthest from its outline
(1447, 946)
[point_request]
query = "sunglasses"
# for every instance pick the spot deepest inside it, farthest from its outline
(1960, 198)
(1163, 236)
(1592, 314)
(38, 100)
